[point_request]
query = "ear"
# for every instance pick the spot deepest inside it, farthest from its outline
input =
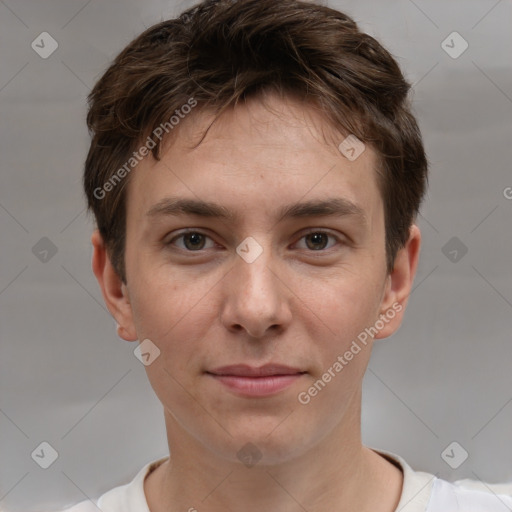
(399, 284)
(114, 291)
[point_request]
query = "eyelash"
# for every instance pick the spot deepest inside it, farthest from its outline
(198, 232)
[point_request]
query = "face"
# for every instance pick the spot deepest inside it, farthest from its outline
(251, 308)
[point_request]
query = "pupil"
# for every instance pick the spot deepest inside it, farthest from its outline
(316, 237)
(195, 238)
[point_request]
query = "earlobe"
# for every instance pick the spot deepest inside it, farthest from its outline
(114, 291)
(399, 283)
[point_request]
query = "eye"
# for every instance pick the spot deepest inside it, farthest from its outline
(318, 240)
(196, 241)
(193, 241)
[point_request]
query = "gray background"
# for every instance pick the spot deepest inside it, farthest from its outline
(68, 380)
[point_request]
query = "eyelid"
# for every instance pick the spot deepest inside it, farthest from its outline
(184, 232)
(324, 231)
(329, 233)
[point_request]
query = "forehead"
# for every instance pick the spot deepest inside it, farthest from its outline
(254, 158)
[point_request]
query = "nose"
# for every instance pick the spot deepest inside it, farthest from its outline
(256, 300)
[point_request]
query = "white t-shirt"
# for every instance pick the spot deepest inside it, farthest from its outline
(421, 492)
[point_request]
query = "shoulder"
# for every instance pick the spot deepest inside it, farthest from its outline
(129, 497)
(424, 492)
(84, 506)
(449, 497)
(477, 485)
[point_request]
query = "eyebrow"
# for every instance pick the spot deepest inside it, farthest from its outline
(335, 207)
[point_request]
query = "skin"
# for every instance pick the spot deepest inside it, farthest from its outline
(301, 303)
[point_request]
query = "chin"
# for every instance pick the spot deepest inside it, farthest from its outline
(264, 443)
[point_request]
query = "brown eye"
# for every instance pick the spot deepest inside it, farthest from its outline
(193, 241)
(318, 240)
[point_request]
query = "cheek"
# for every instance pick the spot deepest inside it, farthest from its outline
(174, 310)
(347, 305)
(164, 300)
(168, 315)
(346, 309)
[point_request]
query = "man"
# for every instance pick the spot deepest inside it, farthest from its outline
(255, 173)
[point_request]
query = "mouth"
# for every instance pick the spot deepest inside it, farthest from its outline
(260, 381)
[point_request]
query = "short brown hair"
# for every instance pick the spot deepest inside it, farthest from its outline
(223, 51)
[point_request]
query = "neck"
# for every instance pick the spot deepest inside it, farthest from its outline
(337, 473)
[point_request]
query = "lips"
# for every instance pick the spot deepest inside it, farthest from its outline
(250, 382)
(242, 370)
